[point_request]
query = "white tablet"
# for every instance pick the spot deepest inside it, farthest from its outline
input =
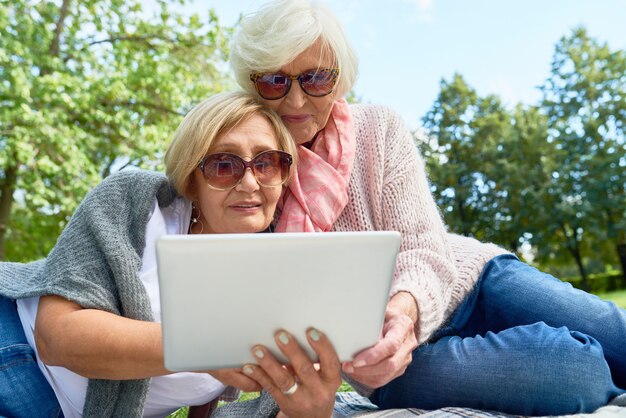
(222, 294)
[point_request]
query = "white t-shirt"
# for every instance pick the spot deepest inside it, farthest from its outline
(166, 393)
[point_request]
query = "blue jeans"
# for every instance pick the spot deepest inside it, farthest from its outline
(523, 342)
(24, 391)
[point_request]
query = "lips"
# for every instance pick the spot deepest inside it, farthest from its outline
(245, 205)
(295, 118)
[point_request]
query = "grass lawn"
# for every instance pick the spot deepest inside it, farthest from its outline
(618, 296)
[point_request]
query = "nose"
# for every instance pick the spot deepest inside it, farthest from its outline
(248, 183)
(296, 97)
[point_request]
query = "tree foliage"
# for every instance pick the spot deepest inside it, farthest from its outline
(552, 175)
(585, 100)
(485, 163)
(88, 87)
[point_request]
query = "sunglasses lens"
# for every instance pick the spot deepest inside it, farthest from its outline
(318, 83)
(273, 86)
(222, 171)
(271, 168)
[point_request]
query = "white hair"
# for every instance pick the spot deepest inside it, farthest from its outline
(281, 30)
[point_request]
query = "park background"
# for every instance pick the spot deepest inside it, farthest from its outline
(517, 107)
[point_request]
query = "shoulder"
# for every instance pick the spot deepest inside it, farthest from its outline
(368, 114)
(376, 121)
(133, 177)
(132, 186)
(134, 180)
(381, 125)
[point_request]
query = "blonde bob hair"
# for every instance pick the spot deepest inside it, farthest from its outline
(204, 123)
(280, 31)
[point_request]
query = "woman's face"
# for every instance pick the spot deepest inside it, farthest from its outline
(247, 207)
(304, 115)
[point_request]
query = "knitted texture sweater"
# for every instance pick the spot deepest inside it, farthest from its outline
(389, 190)
(96, 263)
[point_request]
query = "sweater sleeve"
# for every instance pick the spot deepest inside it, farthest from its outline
(425, 267)
(96, 260)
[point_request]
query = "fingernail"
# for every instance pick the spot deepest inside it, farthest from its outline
(348, 368)
(248, 370)
(283, 337)
(258, 353)
(314, 334)
(359, 363)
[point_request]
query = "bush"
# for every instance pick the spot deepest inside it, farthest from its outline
(601, 282)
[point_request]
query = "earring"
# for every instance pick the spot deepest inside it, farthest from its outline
(195, 219)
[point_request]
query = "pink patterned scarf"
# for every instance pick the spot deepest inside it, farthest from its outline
(318, 191)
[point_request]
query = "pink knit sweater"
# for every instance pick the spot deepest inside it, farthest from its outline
(389, 191)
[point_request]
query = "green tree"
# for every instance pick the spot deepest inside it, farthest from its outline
(451, 157)
(521, 171)
(88, 87)
(477, 174)
(585, 100)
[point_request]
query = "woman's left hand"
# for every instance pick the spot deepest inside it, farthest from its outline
(389, 358)
(300, 389)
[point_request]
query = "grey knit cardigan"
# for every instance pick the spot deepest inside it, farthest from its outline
(96, 263)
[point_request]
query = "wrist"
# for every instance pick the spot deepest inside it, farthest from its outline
(406, 304)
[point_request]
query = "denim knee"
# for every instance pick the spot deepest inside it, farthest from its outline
(582, 380)
(526, 370)
(565, 371)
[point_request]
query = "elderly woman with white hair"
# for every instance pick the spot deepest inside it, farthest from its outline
(467, 324)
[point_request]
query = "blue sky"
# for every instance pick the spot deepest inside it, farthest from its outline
(406, 47)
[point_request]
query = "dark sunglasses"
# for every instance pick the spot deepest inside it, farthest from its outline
(223, 170)
(317, 83)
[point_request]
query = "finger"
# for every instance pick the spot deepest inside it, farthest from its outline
(275, 371)
(399, 329)
(299, 360)
(235, 378)
(260, 377)
(381, 373)
(386, 367)
(328, 360)
(381, 351)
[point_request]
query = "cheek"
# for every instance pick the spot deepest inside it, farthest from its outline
(210, 202)
(271, 197)
(323, 113)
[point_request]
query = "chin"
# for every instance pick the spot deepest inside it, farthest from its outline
(250, 227)
(302, 136)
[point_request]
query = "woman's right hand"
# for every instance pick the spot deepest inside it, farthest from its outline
(302, 389)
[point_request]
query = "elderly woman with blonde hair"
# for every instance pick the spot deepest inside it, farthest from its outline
(88, 315)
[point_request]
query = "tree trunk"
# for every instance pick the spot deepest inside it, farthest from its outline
(581, 269)
(620, 241)
(621, 253)
(58, 30)
(573, 246)
(7, 187)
